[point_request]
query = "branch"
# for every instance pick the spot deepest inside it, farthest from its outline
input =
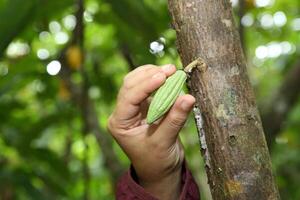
(90, 120)
(88, 111)
(86, 172)
(283, 102)
(127, 56)
(68, 145)
(78, 39)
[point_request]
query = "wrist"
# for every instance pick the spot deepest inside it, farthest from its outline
(167, 187)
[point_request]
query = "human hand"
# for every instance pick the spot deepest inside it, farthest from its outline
(154, 150)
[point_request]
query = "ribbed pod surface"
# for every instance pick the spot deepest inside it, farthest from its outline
(165, 96)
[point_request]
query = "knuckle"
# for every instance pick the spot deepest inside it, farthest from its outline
(112, 127)
(127, 98)
(126, 82)
(146, 67)
(153, 70)
(110, 124)
(129, 81)
(176, 121)
(126, 77)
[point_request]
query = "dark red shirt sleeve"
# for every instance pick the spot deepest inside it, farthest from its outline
(129, 189)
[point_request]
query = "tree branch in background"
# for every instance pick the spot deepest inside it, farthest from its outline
(86, 172)
(68, 145)
(104, 140)
(282, 104)
(78, 32)
(127, 56)
(81, 99)
(78, 39)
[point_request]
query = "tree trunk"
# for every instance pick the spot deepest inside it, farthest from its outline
(232, 139)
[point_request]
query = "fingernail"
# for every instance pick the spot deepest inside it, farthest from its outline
(185, 106)
(168, 67)
(158, 76)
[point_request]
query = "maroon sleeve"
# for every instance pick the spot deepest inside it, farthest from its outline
(128, 189)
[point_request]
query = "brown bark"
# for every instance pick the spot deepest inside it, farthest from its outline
(241, 12)
(231, 135)
(281, 105)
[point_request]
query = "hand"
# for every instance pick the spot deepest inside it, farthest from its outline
(155, 150)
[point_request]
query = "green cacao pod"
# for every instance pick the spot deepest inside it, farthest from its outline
(165, 96)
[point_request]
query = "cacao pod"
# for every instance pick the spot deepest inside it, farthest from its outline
(165, 96)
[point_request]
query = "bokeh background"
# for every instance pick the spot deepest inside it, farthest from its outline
(62, 62)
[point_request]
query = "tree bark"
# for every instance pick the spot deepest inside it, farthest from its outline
(230, 131)
(240, 13)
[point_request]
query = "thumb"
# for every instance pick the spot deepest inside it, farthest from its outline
(175, 119)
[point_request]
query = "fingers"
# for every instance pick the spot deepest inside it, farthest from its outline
(138, 86)
(175, 119)
(136, 75)
(144, 89)
(139, 74)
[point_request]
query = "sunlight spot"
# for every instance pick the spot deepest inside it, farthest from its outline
(69, 22)
(44, 36)
(88, 17)
(157, 47)
(54, 27)
(162, 40)
(266, 21)
(263, 3)
(61, 38)
(281, 140)
(92, 7)
(94, 92)
(261, 52)
(43, 54)
(234, 3)
(17, 49)
(286, 47)
(3, 69)
(296, 24)
(39, 86)
(247, 20)
(279, 19)
(53, 67)
(274, 50)
(78, 148)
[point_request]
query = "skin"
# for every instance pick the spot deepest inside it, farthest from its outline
(155, 150)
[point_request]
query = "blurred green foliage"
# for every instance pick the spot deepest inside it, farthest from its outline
(42, 149)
